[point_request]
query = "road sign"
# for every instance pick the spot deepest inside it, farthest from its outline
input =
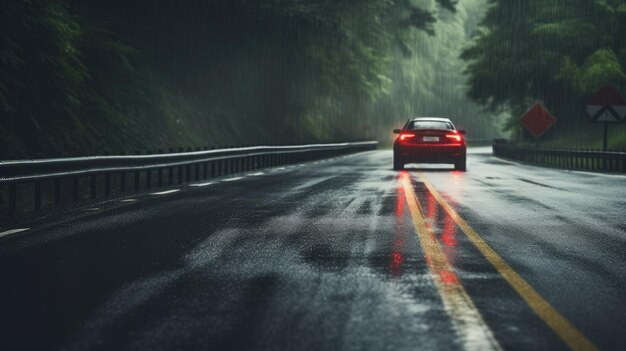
(537, 120)
(607, 105)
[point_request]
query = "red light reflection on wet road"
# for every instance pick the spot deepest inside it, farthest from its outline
(448, 277)
(448, 235)
(397, 257)
(444, 230)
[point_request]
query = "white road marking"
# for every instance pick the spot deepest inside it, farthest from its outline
(609, 175)
(281, 168)
(13, 231)
(128, 200)
(256, 174)
(165, 192)
(232, 179)
(599, 174)
(202, 184)
(301, 165)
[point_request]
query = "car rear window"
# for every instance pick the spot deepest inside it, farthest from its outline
(430, 125)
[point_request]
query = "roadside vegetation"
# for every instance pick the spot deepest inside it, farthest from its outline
(90, 77)
(558, 52)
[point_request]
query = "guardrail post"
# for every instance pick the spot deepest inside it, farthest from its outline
(180, 169)
(37, 195)
(148, 178)
(170, 171)
(75, 189)
(159, 172)
(570, 160)
(122, 178)
(197, 165)
(231, 164)
(149, 174)
(137, 176)
(12, 198)
(107, 184)
(57, 192)
(188, 169)
(122, 182)
(92, 186)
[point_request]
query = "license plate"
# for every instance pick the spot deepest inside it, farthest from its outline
(431, 138)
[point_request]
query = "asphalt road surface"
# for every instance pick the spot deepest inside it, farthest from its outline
(341, 254)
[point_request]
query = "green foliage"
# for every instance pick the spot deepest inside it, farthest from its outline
(84, 77)
(599, 69)
(40, 70)
(556, 51)
(430, 82)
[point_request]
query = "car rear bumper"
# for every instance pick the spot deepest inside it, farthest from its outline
(430, 153)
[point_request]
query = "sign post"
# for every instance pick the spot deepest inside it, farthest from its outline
(606, 106)
(537, 120)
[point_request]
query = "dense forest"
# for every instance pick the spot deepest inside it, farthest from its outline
(89, 77)
(558, 52)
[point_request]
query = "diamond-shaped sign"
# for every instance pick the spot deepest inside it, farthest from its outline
(537, 120)
(607, 105)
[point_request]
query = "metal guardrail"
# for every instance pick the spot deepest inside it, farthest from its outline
(479, 141)
(605, 161)
(168, 168)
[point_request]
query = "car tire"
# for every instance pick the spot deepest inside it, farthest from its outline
(398, 163)
(461, 164)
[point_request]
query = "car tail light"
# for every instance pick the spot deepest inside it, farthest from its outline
(404, 137)
(454, 137)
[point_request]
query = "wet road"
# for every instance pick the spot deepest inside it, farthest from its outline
(343, 254)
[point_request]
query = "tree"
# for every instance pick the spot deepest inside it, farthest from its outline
(79, 77)
(556, 51)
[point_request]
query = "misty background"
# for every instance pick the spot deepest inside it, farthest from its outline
(95, 77)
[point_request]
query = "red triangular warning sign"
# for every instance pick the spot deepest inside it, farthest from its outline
(607, 96)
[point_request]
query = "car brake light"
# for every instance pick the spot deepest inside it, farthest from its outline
(456, 137)
(403, 137)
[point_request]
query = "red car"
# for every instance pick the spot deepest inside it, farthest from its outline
(429, 140)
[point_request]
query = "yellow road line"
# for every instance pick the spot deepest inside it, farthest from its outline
(474, 332)
(561, 326)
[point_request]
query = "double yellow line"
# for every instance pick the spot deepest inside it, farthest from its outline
(474, 332)
(455, 292)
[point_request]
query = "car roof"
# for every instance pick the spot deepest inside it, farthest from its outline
(438, 119)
